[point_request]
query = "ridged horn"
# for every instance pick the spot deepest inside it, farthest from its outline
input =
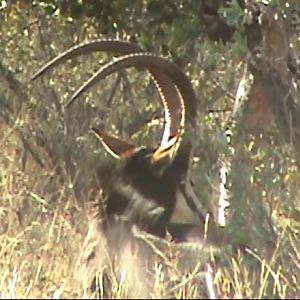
(113, 46)
(173, 96)
(173, 102)
(174, 116)
(152, 63)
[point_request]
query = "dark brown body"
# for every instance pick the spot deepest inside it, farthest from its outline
(145, 192)
(147, 187)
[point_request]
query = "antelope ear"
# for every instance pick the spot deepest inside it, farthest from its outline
(115, 146)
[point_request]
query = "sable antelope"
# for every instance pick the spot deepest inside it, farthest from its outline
(147, 186)
(154, 174)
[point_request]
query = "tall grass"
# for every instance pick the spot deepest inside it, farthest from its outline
(42, 233)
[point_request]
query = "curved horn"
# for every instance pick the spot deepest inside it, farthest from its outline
(174, 117)
(122, 47)
(153, 64)
(175, 98)
(173, 103)
(113, 46)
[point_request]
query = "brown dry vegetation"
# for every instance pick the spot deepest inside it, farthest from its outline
(43, 227)
(40, 247)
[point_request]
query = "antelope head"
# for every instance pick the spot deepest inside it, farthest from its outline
(150, 188)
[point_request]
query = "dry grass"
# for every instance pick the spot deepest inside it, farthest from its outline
(41, 242)
(38, 244)
(42, 231)
(41, 234)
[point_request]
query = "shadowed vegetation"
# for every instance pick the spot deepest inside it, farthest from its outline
(243, 60)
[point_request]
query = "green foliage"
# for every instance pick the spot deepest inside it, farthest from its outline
(49, 155)
(233, 13)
